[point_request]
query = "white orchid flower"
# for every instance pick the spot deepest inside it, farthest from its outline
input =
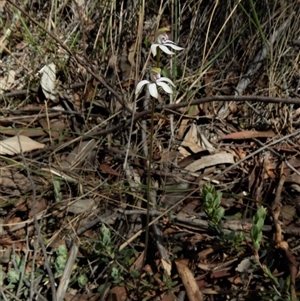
(163, 43)
(157, 80)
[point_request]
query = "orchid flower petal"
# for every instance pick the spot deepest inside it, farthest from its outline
(153, 90)
(153, 48)
(140, 86)
(162, 38)
(165, 79)
(166, 87)
(168, 41)
(173, 46)
(165, 49)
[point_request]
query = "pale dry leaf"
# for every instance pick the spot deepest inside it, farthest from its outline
(205, 143)
(2, 4)
(124, 64)
(5, 254)
(288, 213)
(195, 148)
(191, 140)
(245, 265)
(131, 59)
(81, 153)
(211, 160)
(7, 81)
(248, 135)
(48, 81)
(13, 182)
(16, 144)
(167, 266)
(112, 62)
(182, 128)
(82, 205)
(189, 282)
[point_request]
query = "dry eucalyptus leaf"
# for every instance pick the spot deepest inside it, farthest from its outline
(245, 265)
(188, 280)
(7, 81)
(288, 213)
(16, 144)
(48, 81)
(167, 266)
(82, 205)
(211, 160)
(13, 182)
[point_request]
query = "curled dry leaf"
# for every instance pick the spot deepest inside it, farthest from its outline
(48, 81)
(7, 81)
(189, 282)
(248, 135)
(16, 144)
(211, 160)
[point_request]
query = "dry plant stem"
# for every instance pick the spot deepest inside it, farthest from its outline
(149, 186)
(27, 282)
(65, 278)
(137, 51)
(16, 268)
(38, 227)
(276, 206)
(257, 152)
(159, 235)
(15, 19)
(20, 285)
(35, 90)
(126, 243)
(254, 67)
(32, 276)
(260, 57)
(79, 60)
(287, 163)
(187, 104)
(172, 69)
(144, 124)
(161, 10)
(138, 44)
(278, 237)
(199, 223)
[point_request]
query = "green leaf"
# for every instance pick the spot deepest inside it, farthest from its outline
(262, 212)
(260, 224)
(105, 235)
(259, 237)
(82, 280)
(256, 246)
(60, 263)
(218, 198)
(254, 232)
(209, 198)
(270, 275)
(220, 213)
(62, 251)
(13, 276)
(115, 274)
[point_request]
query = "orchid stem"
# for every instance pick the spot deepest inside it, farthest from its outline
(158, 58)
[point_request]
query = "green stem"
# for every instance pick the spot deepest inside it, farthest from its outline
(158, 58)
(149, 182)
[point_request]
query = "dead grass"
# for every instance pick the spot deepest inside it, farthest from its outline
(73, 220)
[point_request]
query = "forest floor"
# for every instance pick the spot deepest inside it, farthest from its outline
(109, 191)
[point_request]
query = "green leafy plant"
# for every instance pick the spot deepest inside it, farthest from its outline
(82, 280)
(169, 283)
(257, 226)
(105, 246)
(60, 260)
(212, 200)
(215, 213)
